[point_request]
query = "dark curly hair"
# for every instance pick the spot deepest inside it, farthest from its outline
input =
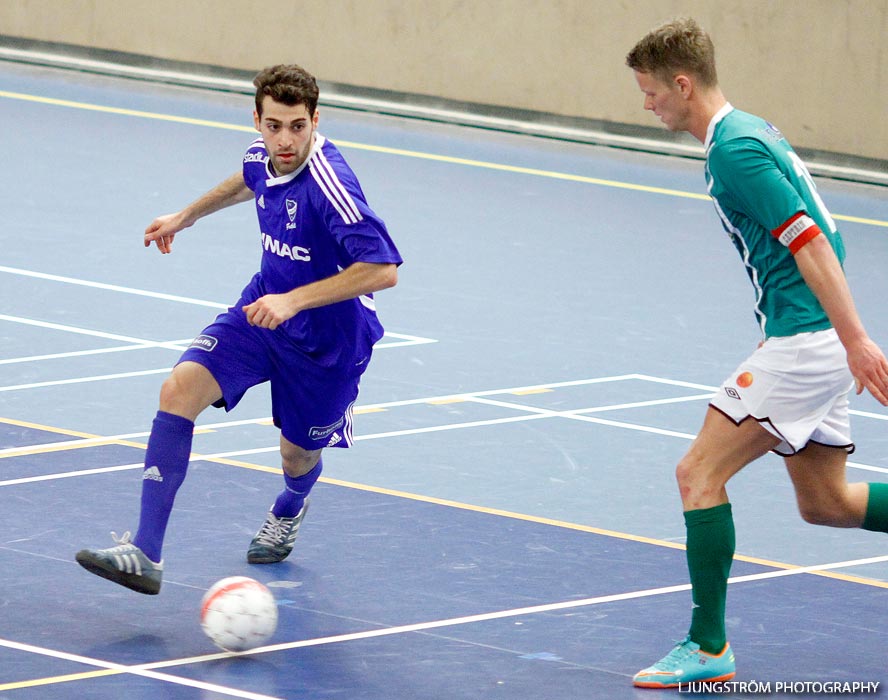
(287, 84)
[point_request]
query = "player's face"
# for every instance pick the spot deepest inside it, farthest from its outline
(288, 133)
(665, 100)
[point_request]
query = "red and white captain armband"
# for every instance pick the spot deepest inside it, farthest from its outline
(796, 232)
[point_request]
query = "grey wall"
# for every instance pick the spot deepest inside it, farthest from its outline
(816, 68)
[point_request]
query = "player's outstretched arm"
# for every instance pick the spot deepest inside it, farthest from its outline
(356, 280)
(819, 266)
(163, 229)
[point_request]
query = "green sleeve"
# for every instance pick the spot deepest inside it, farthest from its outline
(748, 175)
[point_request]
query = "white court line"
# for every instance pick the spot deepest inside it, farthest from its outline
(576, 414)
(403, 339)
(144, 670)
(11, 451)
(675, 382)
(82, 442)
(112, 287)
(473, 397)
(85, 331)
(147, 669)
(867, 467)
(84, 380)
(172, 344)
(529, 413)
(564, 605)
(80, 472)
(447, 398)
(181, 345)
(141, 344)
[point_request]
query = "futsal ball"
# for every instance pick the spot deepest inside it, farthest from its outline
(238, 613)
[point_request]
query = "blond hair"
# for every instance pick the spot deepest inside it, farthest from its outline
(679, 46)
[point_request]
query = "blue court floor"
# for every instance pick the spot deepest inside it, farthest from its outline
(507, 524)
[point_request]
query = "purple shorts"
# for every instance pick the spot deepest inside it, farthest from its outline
(312, 405)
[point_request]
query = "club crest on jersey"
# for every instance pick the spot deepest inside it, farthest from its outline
(771, 132)
(291, 212)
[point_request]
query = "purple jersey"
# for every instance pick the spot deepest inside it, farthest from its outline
(315, 222)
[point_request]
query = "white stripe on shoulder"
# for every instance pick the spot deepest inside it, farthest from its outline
(335, 191)
(330, 197)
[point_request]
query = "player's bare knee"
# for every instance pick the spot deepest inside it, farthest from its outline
(171, 395)
(816, 515)
(690, 475)
(829, 513)
(188, 390)
(180, 399)
(698, 484)
(298, 467)
(297, 461)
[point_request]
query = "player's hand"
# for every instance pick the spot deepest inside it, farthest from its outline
(870, 370)
(162, 231)
(270, 311)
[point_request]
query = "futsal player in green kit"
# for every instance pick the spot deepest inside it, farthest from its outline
(791, 395)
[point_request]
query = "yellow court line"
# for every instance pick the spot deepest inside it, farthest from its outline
(24, 451)
(60, 447)
(243, 465)
(477, 509)
(98, 440)
(37, 426)
(52, 680)
(588, 528)
(399, 152)
(124, 112)
(95, 440)
(860, 220)
(552, 174)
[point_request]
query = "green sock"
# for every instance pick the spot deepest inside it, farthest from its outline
(876, 518)
(710, 551)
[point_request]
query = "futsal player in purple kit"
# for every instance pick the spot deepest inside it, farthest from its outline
(306, 323)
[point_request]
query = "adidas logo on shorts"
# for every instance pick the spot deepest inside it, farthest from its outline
(152, 474)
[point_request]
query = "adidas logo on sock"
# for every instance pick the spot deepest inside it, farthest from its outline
(152, 473)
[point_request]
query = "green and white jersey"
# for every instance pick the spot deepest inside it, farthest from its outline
(769, 206)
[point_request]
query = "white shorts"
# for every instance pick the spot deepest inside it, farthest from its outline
(797, 388)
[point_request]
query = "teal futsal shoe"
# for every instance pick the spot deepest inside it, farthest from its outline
(687, 663)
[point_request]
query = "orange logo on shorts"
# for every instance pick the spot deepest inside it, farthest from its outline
(744, 380)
